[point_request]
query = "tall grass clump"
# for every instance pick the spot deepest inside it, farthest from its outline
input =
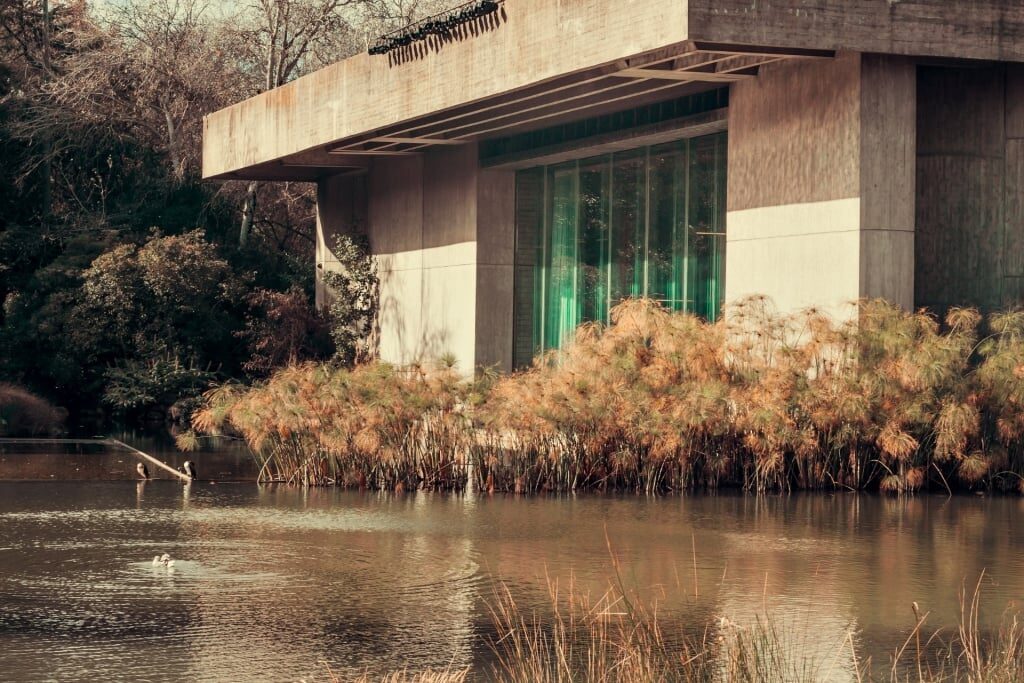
(620, 637)
(373, 426)
(22, 413)
(660, 401)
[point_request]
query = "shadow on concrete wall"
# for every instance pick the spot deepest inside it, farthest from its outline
(417, 344)
(437, 42)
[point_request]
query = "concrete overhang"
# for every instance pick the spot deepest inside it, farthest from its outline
(536, 63)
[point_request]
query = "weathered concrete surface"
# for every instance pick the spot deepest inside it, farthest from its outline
(442, 235)
(821, 184)
(970, 184)
(495, 268)
(980, 29)
(888, 121)
(537, 40)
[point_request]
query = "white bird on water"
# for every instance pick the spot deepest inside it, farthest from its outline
(164, 560)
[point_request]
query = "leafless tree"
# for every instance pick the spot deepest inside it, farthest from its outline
(147, 73)
(289, 38)
(285, 39)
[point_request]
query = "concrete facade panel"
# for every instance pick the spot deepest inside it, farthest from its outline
(968, 187)
(959, 245)
(340, 209)
(794, 220)
(395, 205)
(401, 324)
(1015, 101)
(794, 208)
(820, 270)
(449, 196)
(888, 178)
(494, 337)
(964, 111)
(448, 316)
(1013, 291)
(427, 218)
(888, 150)
(1013, 265)
(887, 266)
(496, 214)
(793, 134)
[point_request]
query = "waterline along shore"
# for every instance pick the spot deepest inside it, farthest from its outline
(662, 401)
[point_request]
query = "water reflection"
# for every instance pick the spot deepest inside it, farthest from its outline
(97, 459)
(268, 580)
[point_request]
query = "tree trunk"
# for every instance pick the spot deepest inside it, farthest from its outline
(248, 212)
(173, 148)
(46, 168)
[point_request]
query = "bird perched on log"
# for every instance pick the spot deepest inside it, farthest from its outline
(142, 470)
(190, 469)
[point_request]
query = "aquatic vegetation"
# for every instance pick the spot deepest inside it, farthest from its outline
(621, 637)
(661, 401)
(374, 426)
(402, 677)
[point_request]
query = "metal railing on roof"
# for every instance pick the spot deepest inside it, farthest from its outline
(442, 24)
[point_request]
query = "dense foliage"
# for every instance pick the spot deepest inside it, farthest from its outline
(662, 401)
(126, 283)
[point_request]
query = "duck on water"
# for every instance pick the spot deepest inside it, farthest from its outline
(164, 560)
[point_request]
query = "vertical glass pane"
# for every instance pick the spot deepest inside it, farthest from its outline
(561, 314)
(666, 238)
(594, 179)
(629, 195)
(706, 230)
(649, 222)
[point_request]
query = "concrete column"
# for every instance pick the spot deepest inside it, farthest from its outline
(1013, 281)
(888, 162)
(962, 249)
(443, 234)
(395, 221)
(449, 294)
(820, 186)
(495, 268)
(340, 209)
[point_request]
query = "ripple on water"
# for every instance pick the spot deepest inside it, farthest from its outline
(267, 583)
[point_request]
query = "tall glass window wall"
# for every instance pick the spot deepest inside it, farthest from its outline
(590, 233)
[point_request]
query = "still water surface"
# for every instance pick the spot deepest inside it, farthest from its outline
(271, 580)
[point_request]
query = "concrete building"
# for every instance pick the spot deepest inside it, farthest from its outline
(522, 171)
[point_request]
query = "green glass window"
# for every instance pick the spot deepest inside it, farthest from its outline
(590, 233)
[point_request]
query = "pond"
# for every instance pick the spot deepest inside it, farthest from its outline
(270, 580)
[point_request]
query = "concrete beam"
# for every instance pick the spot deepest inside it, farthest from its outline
(981, 29)
(534, 41)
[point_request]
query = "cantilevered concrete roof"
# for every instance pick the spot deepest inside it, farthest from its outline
(535, 63)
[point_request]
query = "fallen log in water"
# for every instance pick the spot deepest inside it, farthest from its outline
(150, 458)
